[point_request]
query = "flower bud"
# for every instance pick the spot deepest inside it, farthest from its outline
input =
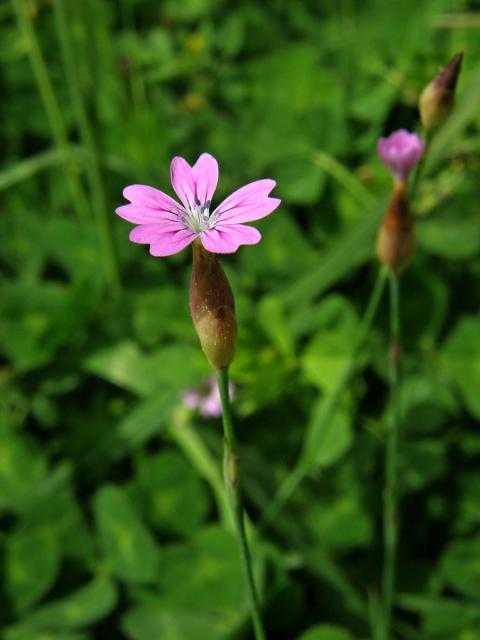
(212, 308)
(396, 239)
(437, 99)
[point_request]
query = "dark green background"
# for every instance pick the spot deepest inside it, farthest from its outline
(111, 525)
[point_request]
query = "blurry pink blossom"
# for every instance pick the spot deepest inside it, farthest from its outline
(400, 152)
(206, 398)
(168, 227)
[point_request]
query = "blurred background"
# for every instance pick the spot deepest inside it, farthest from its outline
(112, 513)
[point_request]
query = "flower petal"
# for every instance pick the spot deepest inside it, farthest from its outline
(183, 182)
(164, 239)
(148, 205)
(227, 238)
(143, 215)
(249, 212)
(248, 203)
(205, 175)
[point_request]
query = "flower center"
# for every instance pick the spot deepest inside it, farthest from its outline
(198, 218)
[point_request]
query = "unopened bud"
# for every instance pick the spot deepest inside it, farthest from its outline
(212, 308)
(438, 98)
(396, 239)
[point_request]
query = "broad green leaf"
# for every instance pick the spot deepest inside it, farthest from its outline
(22, 467)
(30, 573)
(326, 632)
(160, 619)
(341, 523)
(443, 616)
(451, 238)
(124, 364)
(460, 567)
(203, 592)
(128, 546)
(25, 632)
(461, 358)
(81, 608)
(271, 315)
(166, 483)
(328, 436)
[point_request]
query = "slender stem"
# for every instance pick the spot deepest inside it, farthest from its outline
(232, 477)
(51, 106)
(390, 509)
(304, 464)
(94, 175)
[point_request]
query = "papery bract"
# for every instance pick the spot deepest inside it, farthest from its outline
(400, 152)
(168, 226)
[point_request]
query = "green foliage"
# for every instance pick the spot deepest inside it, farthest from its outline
(112, 511)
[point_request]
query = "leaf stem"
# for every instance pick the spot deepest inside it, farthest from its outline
(51, 107)
(390, 508)
(232, 477)
(94, 175)
(304, 463)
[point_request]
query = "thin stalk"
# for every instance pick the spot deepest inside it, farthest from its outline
(304, 465)
(231, 471)
(390, 507)
(94, 174)
(51, 106)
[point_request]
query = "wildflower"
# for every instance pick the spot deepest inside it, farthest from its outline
(206, 398)
(401, 152)
(168, 226)
(438, 98)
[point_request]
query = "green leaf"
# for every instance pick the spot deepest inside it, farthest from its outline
(326, 632)
(22, 468)
(167, 482)
(461, 358)
(82, 608)
(340, 523)
(29, 572)
(447, 237)
(172, 367)
(128, 546)
(328, 436)
(160, 619)
(460, 567)
(204, 592)
(271, 316)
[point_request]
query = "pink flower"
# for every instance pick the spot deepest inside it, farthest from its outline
(206, 398)
(400, 152)
(168, 227)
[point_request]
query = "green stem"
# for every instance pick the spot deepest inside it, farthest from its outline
(232, 477)
(94, 175)
(51, 106)
(304, 464)
(390, 509)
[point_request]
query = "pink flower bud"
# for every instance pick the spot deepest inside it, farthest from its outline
(401, 152)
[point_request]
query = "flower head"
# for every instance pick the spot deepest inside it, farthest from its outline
(168, 226)
(206, 398)
(400, 152)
